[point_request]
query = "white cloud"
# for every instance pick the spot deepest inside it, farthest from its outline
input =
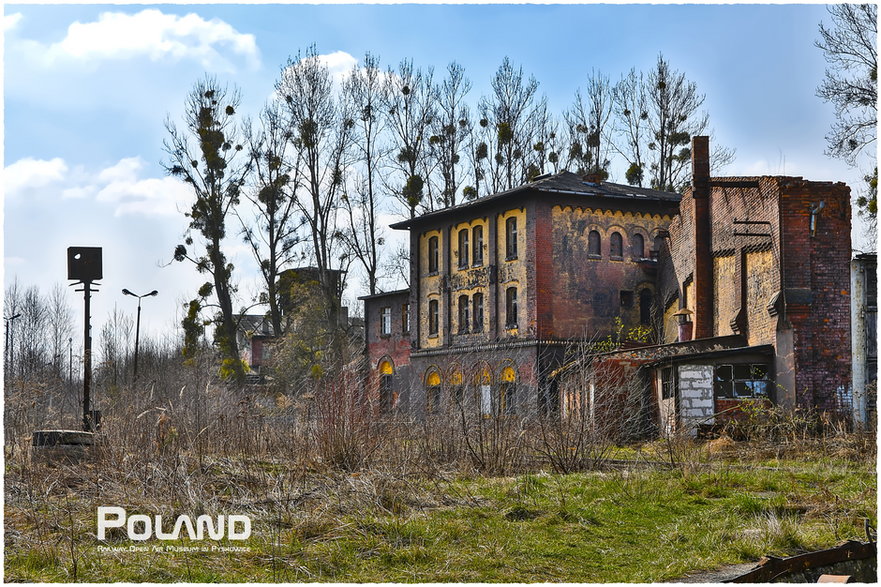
(150, 33)
(10, 21)
(30, 174)
(121, 185)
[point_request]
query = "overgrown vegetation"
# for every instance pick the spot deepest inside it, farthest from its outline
(336, 494)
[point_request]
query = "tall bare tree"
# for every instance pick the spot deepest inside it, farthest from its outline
(206, 154)
(450, 131)
(366, 90)
(274, 231)
(588, 121)
(410, 107)
(321, 130)
(851, 85)
(631, 124)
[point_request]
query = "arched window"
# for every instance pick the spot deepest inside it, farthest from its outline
(386, 375)
(433, 256)
(477, 312)
(463, 248)
(477, 246)
(432, 317)
(593, 243)
(463, 315)
(637, 245)
(645, 307)
(511, 238)
(433, 391)
(616, 245)
(511, 307)
(507, 392)
(457, 388)
(483, 381)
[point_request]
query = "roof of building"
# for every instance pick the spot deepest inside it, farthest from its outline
(384, 294)
(564, 182)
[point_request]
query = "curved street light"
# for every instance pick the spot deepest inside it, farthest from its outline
(138, 326)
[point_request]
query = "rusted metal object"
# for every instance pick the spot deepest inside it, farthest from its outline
(857, 559)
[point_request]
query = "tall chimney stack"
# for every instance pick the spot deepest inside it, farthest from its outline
(703, 238)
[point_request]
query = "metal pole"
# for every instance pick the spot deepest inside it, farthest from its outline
(87, 358)
(137, 337)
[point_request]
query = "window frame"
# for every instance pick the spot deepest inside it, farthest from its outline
(433, 317)
(590, 244)
(511, 238)
(477, 246)
(464, 256)
(616, 241)
(477, 316)
(463, 306)
(511, 319)
(385, 321)
(758, 375)
(405, 318)
(634, 239)
(433, 255)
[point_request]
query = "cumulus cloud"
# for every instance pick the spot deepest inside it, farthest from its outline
(152, 34)
(121, 186)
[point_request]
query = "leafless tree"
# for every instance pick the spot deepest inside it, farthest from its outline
(450, 130)
(588, 121)
(274, 232)
(216, 171)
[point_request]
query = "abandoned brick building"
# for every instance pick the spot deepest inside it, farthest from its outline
(740, 288)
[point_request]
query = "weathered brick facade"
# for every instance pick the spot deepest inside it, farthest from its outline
(504, 285)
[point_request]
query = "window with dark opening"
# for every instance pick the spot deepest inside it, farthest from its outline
(668, 383)
(433, 392)
(463, 248)
(432, 317)
(742, 381)
(405, 318)
(506, 404)
(511, 238)
(616, 245)
(593, 243)
(477, 246)
(385, 393)
(626, 299)
(463, 315)
(645, 307)
(433, 255)
(511, 307)
(477, 312)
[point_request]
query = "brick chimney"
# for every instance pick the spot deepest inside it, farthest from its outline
(703, 238)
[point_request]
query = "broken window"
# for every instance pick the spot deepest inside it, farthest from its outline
(645, 307)
(385, 321)
(510, 239)
(626, 299)
(616, 245)
(432, 255)
(477, 246)
(668, 383)
(432, 317)
(463, 248)
(742, 381)
(593, 243)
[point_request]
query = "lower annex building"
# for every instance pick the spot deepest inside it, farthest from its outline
(738, 289)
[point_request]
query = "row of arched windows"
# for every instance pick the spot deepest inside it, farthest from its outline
(470, 241)
(616, 245)
(483, 392)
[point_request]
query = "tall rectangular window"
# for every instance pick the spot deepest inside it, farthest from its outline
(477, 246)
(405, 318)
(463, 315)
(477, 312)
(433, 255)
(463, 248)
(511, 307)
(511, 238)
(432, 317)
(385, 320)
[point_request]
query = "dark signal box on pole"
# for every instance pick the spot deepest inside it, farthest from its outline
(84, 263)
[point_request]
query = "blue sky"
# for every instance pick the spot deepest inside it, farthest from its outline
(87, 89)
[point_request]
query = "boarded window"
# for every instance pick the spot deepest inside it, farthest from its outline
(593, 243)
(616, 245)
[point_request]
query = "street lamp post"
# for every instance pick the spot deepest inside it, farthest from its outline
(138, 323)
(9, 352)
